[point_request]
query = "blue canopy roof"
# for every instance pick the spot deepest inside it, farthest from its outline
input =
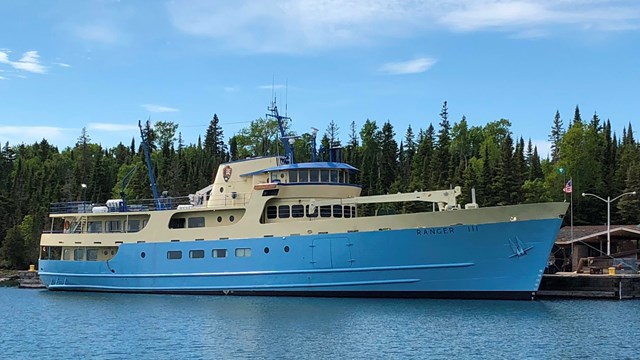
(307, 165)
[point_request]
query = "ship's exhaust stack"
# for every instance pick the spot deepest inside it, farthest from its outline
(472, 204)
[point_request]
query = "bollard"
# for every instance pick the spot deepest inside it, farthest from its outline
(32, 268)
(612, 271)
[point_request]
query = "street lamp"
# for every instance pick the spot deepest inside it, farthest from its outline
(609, 200)
(84, 197)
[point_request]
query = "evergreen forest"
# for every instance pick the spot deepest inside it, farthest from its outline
(502, 169)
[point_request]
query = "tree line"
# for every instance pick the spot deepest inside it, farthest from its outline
(503, 170)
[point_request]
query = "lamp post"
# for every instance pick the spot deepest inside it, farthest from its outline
(609, 200)
(84, 197)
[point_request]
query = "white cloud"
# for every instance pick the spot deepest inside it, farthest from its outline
(273, 86)
(2, 77)
(31, 134)
(112, 127)
(158, 108)
(28, 62)
(291, 26)
(414, 66)
(62, 64)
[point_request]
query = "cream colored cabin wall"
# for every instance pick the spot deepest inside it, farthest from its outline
(237, 183)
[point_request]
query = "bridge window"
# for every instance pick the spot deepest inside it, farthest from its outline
(293, 176)
(283, 211)
(219, 253)
(174, 255)
(196, 222)
(334, 176)
(303, 175)
(347, 211)
(66, 254)
(272, 212)
(243, 252)
(313, 175)
(324, 176)
(196, 254)
(297, 211)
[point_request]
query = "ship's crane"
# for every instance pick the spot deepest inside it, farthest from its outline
(152, 178)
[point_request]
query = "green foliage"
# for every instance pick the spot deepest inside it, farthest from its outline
(482, 157)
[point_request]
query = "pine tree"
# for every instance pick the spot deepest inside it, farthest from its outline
(388, 157)
(440, 164)
(556, 136)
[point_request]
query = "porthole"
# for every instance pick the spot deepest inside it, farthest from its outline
(219, 218)
(113, 252)
(286, 249)
(266, 250)
(142, 254)
(105, 252)
(221, 189)
(231, 218)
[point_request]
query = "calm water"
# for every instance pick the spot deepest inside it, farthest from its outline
(39, 324)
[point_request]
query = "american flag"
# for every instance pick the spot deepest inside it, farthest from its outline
(568, 188)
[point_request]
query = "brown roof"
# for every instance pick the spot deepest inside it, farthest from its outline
(595, 232)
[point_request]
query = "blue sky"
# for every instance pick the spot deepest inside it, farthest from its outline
(104, 65)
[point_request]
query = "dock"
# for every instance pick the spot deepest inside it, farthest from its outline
(596, 286)
(29, 280)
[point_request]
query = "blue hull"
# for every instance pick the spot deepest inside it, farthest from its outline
(501, 260)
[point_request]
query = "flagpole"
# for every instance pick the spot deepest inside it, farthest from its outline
(571, 210)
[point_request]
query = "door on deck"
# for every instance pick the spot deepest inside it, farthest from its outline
(321, 253)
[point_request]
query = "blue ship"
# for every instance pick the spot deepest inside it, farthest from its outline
(269, 226)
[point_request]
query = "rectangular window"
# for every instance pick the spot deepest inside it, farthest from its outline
(324, 176)
(283, 211)
(303, 175)
(133, 225)
(177, 223)
(94, 226)
(297, 211)
(353, 211)
(114, 226)
(325, 211)
(347, 211)
(219, 253)
(78, 254)
(313, 175)
(174, 255)
(312, 215)
(272, 212)
(334, 176)
(66, 254)
(293, 176)
(196, 222)
(337, 211)
(243, 252)
(92, 254)
(196, 254)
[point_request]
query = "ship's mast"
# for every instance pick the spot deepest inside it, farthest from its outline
(273, 109)
(152, 178)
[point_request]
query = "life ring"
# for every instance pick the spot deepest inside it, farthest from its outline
(66, 224)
